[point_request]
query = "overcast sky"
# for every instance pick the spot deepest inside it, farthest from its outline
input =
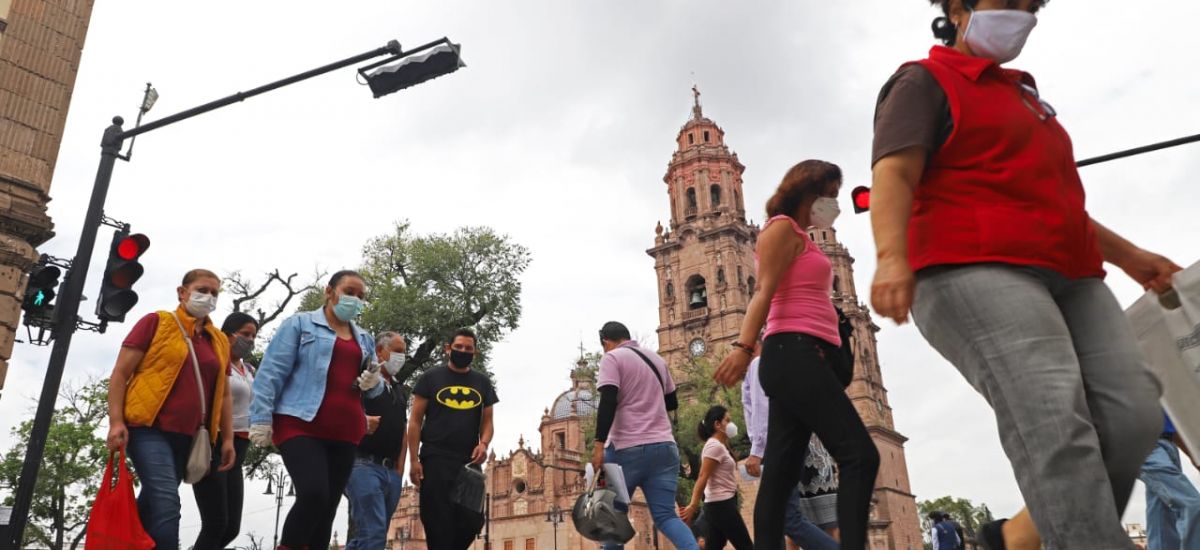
(558, 133)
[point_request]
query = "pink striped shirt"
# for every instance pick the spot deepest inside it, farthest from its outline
(802, 301)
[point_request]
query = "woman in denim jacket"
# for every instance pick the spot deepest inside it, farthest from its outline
(308, 402)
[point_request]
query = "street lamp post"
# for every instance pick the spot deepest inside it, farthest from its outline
(280, 479)
(442, 57)
(555, 516)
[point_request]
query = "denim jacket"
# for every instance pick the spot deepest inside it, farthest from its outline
(291, 379)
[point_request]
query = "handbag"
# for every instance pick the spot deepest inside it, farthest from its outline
(469, 489)
(1167, 328)
(114, 523)
(200, 455)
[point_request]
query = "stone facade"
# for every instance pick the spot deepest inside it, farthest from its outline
(528, 483)
(705, 260)
(710, 247)
(40, 45)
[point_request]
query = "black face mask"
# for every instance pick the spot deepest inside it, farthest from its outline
(461, 359)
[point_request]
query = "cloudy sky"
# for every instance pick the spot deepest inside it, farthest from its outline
(558, 134)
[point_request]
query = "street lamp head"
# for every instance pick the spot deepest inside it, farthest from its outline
(407, 69)
(269, 491)
(149, 100)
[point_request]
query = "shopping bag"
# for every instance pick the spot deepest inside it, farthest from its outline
(114, 523)
(469, 489)
(1168, 331)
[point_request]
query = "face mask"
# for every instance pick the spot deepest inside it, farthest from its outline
(461, 359)
(348, 308)
(241, 347)
(999, 35)
(824, 211)
(731, 430)
(199, 305)
(394, 363)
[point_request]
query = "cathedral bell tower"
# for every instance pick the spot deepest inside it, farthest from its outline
(705, 258)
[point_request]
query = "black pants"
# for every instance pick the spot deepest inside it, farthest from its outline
(725, 525)
(448, 526)
(799, 374)
(319, 469)
(219, 499)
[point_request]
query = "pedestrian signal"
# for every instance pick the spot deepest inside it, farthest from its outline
(40, 290)
(120, 273)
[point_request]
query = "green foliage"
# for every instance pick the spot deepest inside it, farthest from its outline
(313, 299)
(427, 286)
(72, 467)
(697, 393)
(969, 516)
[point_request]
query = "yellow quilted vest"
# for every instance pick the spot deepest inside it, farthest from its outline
(164, 360)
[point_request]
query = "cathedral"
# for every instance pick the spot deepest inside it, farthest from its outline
(704, 262)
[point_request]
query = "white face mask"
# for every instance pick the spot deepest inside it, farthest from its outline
(199, 305)
(731, 430)
(394, 363)
(999, 35)
(824, 211)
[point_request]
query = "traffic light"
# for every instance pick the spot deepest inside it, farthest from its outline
(122, 270)
(40, 290)
(861, 197)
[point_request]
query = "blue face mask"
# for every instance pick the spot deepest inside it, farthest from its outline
(348, 308)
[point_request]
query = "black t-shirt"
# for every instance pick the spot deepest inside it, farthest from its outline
(392, 409)
(453, 412)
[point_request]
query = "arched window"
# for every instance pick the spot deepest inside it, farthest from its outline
(697, 292)
(691, 200)
(714, 195)
(837, 285)
(706, 136)
(691, 139)
(720, 275)
(739, 272)
(670, 290)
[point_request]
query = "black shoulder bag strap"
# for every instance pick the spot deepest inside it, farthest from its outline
(654, 369)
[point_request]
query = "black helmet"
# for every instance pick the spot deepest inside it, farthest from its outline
(597, 518)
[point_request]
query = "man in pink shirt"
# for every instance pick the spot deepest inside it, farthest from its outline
(634, 431)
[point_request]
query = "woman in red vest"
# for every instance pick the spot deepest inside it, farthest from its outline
(981, 231)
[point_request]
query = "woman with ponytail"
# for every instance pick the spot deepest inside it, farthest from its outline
(982, 233)
(718, 484)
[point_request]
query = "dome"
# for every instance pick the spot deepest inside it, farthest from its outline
(577, 402)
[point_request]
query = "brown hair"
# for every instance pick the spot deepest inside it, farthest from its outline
(191, 276)
(802, 181)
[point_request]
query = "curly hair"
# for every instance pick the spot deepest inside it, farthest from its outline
(945, 31)
(802, 181)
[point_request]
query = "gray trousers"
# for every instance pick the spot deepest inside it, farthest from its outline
(1075, 406)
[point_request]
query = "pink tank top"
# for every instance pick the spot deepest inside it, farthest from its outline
(802, 301)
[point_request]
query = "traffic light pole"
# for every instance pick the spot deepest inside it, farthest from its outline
(66, 314)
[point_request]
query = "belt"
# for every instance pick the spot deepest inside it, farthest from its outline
(375, 459)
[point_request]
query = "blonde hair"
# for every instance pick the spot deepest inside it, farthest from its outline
(191, 276)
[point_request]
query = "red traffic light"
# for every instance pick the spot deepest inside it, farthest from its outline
(861, 197)
(132, 247)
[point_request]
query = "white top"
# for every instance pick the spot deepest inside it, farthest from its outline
(241, 384)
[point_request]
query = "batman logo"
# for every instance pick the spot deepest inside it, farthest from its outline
(460, 398)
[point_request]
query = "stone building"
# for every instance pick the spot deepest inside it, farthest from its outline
(527, 484)
(40, 45)
(704, 262)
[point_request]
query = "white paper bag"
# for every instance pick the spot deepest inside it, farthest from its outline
(1168, 330)
(614, 478)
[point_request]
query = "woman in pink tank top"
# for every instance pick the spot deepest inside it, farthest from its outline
(800, 359)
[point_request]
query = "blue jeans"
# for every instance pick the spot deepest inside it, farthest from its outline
(1172, 503)
(373, 492)
(158, 460)
(803, 532)
(655, 468)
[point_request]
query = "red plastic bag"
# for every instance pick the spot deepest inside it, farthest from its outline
(114, 523)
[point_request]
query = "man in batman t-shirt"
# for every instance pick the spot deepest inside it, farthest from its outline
(451, 425)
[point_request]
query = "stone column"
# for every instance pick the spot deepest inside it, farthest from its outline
(40, 45)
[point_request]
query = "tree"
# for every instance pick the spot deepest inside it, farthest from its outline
(963, 511)
(256, 542)
(248, 294)
(697, 393)
(426, 287)
(71, 471)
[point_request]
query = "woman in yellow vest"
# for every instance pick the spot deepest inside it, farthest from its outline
(154, 404)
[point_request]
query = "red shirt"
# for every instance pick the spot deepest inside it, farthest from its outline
(341, 416)
(180, 413)
(1003, 188)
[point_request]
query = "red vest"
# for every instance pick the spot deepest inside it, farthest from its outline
(1003, 188)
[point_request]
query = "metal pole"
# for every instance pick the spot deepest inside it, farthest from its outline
(66, 313)
(278, 507)
(1138, 150)
(67, 309)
